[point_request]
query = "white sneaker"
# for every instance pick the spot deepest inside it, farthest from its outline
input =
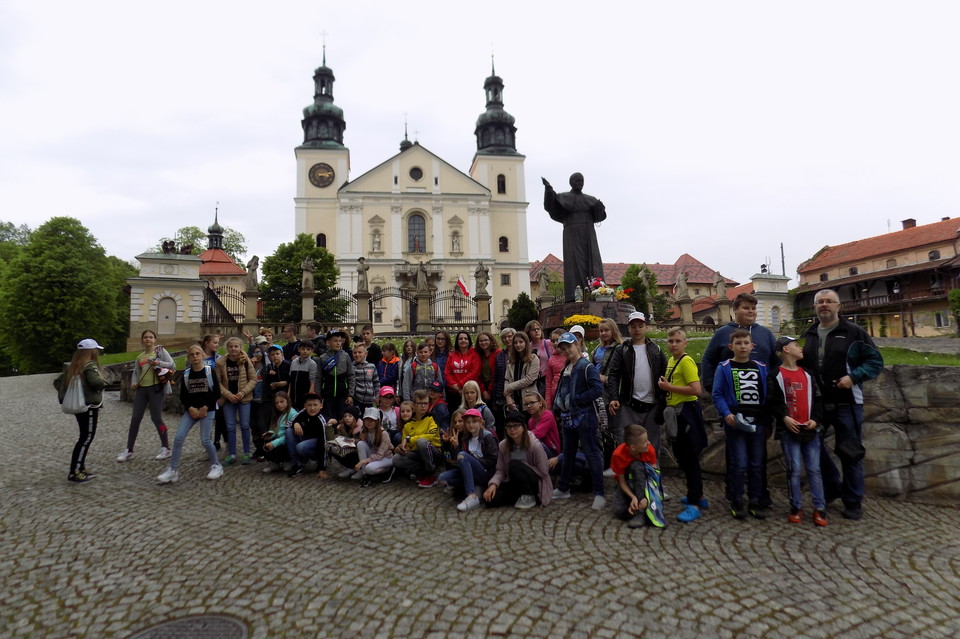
(345, 473)
(561, 494)
(469, 503)
(168, 476)
(599, 503)
(164, 453)
(609, 473)
(216, 472)
(272, 467)
(526, 501)
(125, 455)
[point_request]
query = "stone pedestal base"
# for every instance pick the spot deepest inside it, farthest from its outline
(363, 308)
(553, 316)
(306, 302)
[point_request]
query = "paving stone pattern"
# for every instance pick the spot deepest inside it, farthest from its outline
(307, 557)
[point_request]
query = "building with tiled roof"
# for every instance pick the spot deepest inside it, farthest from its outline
(894, 284)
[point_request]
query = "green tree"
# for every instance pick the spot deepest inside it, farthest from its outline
(282, 277)
(555, 287)
(521, 311)
(953, 298)
(57, 290)
(12, 239)
(234, 243)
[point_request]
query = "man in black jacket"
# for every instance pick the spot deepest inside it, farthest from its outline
(635, 367)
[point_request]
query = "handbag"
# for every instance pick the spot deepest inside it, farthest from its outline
(74, 401)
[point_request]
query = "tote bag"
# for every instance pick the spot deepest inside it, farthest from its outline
(74, 401)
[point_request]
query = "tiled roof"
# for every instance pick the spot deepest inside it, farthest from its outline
(697, 271)
(217, 262)
(858, 250)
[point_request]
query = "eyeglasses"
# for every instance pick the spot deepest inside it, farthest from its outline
(423, 403)
(513, 426)
(529, 404)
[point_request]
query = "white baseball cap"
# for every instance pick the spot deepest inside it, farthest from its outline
(88, 345)
(576, 328)
(636, 315)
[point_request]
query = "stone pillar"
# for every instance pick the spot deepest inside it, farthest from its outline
(484, 322)
(686, 311)
(723, 311)
(363, 307)
(250, 322)
(546, 300)
(423, 323)
(307, 301)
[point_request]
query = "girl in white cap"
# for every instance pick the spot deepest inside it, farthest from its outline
(84, 367)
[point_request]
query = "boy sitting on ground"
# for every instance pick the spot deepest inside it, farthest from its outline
(307, 438)
(628, 464)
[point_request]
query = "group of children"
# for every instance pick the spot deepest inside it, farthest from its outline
(334, 408)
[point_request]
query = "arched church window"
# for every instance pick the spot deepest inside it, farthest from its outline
(416, 234)
(322, 240)
(501, 184)
(504, 244)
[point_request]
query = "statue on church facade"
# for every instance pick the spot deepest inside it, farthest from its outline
(307, 281)
(252, 266)
(423, 286)
(578, 212)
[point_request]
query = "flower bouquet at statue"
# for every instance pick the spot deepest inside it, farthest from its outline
(601, 292)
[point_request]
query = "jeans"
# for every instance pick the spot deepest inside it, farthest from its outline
(586, 435)
(746, 455)
(636, 479)
(847, 422)
(469, 473)
(186, 423)
(793, 451)
(145, 396)
(300, 450)
(422, 459)
(231, 412)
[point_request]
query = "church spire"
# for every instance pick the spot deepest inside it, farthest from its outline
(496, 134)
(323, 122)
(215, 231)
(406, 143)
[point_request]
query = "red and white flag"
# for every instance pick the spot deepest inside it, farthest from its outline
(462, 286)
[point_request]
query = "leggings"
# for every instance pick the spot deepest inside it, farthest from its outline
(151, 396)
(88, 429)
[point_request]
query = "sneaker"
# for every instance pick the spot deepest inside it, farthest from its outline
(216, 472)
(469, 503)
(637, 521)
(346, 472)
(448, 489)
(737, 509)
(609, 473)
(526, 501)
(560, 494)
(365, 482)
(358, 475)
(229, 460)
(428, 482)
(756, 512)
(88, 473)
(169, 476)
(79, 477)
(164, 453)
(688, 514)
(703, 505)
(296, 471)
(819, 518)
(389, 476)
(852, 512)
(245, 459)
(599, 503)
(272, 467)
(124, 456)
(796, 515)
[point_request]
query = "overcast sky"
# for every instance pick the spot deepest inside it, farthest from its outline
(720, 129)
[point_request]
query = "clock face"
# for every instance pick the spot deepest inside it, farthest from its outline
(321, 175)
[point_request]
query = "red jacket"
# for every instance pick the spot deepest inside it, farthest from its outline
(487, 387)
(461, 368)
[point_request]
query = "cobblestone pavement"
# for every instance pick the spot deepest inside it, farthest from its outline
(306, 557)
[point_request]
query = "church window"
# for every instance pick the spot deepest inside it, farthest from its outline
(322, 240)
(504, 279)
(416, 173)
(504, 244)
(501, 184)
(416, 234)
(933, 255)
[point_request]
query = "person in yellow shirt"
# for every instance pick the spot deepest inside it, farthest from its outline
(419, 449)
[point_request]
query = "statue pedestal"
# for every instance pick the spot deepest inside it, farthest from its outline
(483, 312)
(306, 305)
(423, 323)
(552, 317)
(723, 311)
(363, 307)
(686, 310)
(546, 300)
(250, 321)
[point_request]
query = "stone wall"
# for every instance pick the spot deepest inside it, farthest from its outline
(911, 433)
